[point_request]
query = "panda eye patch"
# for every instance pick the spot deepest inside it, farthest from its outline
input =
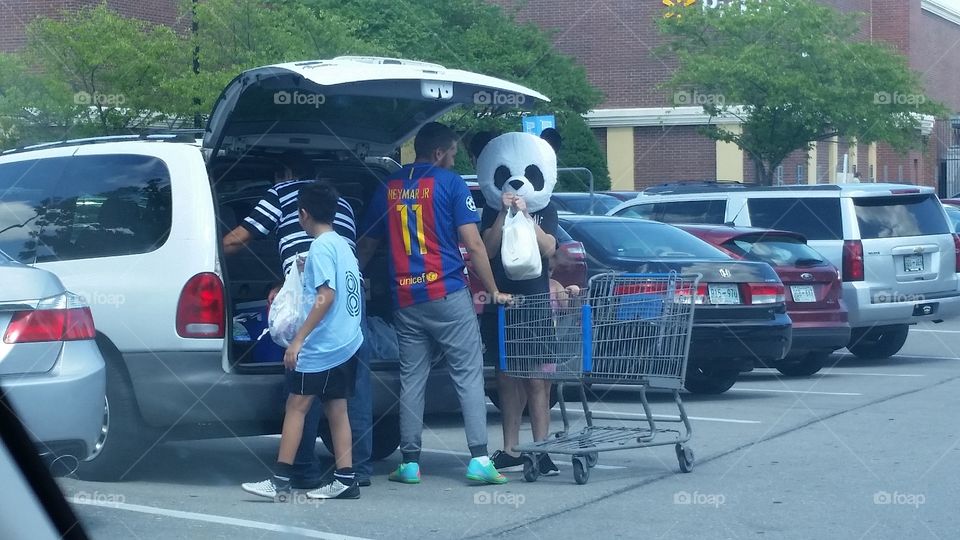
(535, 176)
(500, 177)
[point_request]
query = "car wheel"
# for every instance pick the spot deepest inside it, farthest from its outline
(878, 342)
(709, 382)
(494, 396)
(123, 436)
(386, 436)
(803, 366)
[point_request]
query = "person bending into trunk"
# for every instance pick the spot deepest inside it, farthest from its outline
(321, 360)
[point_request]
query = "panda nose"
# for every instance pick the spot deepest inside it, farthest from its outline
(516, 184)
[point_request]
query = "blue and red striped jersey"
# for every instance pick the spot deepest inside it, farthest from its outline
(419, 209)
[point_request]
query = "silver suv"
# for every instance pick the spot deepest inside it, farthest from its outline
(893, 243)
(134, 225)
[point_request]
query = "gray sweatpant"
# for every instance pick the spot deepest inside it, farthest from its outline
(451, 323)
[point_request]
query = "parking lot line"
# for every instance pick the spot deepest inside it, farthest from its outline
(209, 518)
(779, 391)
(934, 331)
(467, 454)
(822, 373)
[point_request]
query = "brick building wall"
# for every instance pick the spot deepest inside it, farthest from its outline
(15, 15)
(672, 153)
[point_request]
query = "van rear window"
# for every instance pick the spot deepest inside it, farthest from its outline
(814, 217)
(900, 215)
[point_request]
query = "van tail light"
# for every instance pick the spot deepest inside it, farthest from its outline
(200, 310)
(61, 318)
(956, 249)
(765, 293)
(852, 260)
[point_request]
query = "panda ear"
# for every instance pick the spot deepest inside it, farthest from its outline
(535, 176)
(500, 176)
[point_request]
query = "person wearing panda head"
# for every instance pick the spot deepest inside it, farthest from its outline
(517, 173)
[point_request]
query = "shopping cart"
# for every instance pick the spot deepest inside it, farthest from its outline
(631, 329)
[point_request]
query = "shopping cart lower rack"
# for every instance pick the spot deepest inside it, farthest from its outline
(631, 329)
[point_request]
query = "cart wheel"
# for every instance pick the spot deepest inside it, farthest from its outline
(581, 473)
(281, 497)
(592, 459)
(531, 470)
(685, 458)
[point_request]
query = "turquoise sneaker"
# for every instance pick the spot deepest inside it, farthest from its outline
(406, 473)
(481, 469)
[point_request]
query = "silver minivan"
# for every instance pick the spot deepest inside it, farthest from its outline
(893, 243)
(134, 225)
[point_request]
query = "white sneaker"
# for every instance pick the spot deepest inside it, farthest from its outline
(267, 489)
(336, 490)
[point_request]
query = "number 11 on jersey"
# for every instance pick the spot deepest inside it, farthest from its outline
(417, 210)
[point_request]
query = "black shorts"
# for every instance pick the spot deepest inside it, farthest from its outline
(334, 383)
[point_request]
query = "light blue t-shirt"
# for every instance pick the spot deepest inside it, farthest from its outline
(338, 337)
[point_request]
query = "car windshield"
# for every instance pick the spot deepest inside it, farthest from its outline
(775, 250)
(639, 240)
(899, 216)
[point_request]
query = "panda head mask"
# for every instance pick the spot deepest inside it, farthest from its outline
(521, 163)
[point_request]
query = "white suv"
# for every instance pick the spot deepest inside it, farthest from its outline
(893, 243)
(134, 225)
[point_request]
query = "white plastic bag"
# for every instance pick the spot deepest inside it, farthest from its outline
(286, 312)
(519, 250)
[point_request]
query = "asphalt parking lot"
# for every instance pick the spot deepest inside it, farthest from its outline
(865, 449)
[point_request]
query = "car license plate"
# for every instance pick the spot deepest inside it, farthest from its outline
(913, 263)
(724, 294)
(803, 293)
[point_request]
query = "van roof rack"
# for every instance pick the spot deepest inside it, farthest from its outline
(172, 135)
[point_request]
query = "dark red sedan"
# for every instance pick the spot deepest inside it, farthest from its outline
(812, 285)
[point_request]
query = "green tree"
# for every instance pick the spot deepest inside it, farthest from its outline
(90, 72)
(477, 36)
(793, 72)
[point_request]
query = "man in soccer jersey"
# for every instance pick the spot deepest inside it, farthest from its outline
(424, 212)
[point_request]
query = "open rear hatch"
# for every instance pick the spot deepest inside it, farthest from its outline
(363, 105)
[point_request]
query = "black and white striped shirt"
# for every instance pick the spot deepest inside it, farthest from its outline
(277, 213)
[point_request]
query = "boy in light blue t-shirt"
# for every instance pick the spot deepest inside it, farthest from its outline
(321, 360)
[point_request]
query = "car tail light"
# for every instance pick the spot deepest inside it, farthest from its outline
(700, 297)
(852, 260)
(61, 318)
(576, 251)
(764, 293)
(956, 249)
(200, 311)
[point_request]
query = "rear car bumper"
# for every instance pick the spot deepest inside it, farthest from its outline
(733, 345)
(819, 338)
(191, 390)
(63, 408)
(867, 308)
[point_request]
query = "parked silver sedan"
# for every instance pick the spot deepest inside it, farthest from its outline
(50, 366)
